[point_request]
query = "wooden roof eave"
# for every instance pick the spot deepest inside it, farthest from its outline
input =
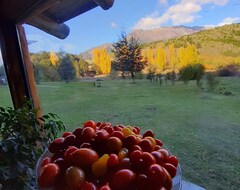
(50, 15)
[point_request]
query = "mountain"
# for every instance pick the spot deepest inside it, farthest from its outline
(88, 55)
(163, 33)
(147, 36)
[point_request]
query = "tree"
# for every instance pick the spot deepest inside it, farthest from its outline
(128, 55)
(188, 55)
(66, 69)
(81, 67)
(161, 58)
(54, 58)
(102, 60)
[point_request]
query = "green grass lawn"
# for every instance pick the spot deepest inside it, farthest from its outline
(201, 128)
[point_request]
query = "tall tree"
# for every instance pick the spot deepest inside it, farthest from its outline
(66, 69)
(128, 56)
(161, 59)
(102, 60)
(187, 56)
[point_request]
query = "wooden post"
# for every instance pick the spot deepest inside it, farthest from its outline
(13, 63)
(18, 67)
(29, 69)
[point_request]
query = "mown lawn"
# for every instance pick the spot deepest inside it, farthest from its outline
(201, 128)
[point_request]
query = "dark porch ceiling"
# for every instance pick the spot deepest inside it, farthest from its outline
(48, 15)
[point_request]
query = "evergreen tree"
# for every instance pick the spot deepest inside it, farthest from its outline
(128, 55)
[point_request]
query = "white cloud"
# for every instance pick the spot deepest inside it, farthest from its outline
(113, 25)
(226, 21)
(181, 13)
(229, 20)
(47, 44)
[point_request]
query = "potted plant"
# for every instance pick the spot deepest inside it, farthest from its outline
(23, 138)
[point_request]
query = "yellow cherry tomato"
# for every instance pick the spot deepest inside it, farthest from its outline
(99, 168)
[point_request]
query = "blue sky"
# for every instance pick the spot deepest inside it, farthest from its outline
(98, 26)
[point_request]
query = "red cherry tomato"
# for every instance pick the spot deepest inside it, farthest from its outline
(84, 157)
(65, 134)
(105, 187)
(148, 160)
(142, 182)
(148, 133)
(135, 156)
(69, 140)
(48, 175)
(159, 142)
(168, 180)
(45, 161)
(172, 170)
(113, 161)
(56, 145)
(74, 177)
(88, 186)
(88, 133)
(118, 134)
(123, 180)
(146, 145)
(173, 160)
(156, 175)
(114, 144)
(159, 157)
(77, 132)
(117, 128)
(129, 141)
(68, 152)
(136, 130)
(165, 153)
(125, 164)
(90, 123)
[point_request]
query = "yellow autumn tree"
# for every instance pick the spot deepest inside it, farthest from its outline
(172, 58)
(161, 58)
(102, 60)
(54, 59)
(187, 56)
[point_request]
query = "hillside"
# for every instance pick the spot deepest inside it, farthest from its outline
(148, 36)
(215, 46)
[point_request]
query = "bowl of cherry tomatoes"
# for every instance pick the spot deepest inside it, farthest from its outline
(102, 156)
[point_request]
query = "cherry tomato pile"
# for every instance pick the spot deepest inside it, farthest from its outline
(100, 156)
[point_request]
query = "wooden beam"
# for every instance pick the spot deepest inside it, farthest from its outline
(58, 30)
(13, 63)
(29, 69)
(38, 8)
(105, 4)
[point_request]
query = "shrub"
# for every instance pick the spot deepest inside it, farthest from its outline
(212, 82)
(139, 75)
(228, 70)
(191, 72)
